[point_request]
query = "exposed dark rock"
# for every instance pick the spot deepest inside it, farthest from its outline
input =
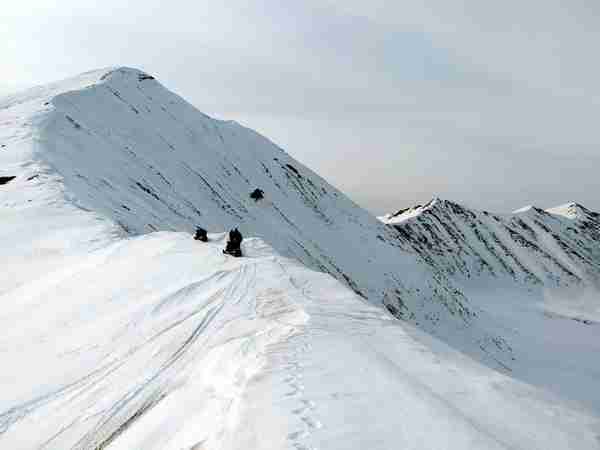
(392, 309)
(4, 180)
(75, 124)
(147, 190)
(293, 169)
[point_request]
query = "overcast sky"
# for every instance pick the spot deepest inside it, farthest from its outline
(493, 104)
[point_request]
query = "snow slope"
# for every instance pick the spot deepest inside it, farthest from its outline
(536, 272)
(160, 342)
(117, 143)
(116, 338)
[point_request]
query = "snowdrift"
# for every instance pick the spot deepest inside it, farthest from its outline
(160, 342)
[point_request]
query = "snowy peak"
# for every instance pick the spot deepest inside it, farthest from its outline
(128, 73)
(412, 211)
(118, 145)
(45, 93)
(435, 205)
(152, 340)
(531, 245)
(573, 211)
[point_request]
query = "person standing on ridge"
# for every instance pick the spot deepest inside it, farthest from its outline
(201, 234)
(233, 244)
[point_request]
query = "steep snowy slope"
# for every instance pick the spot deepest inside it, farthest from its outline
(117, 143)
(158, 342)
(536, 272)
(117, 338)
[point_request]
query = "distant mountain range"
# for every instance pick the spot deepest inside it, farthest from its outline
(554, 247)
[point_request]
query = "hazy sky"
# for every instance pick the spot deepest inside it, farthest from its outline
(493, 104)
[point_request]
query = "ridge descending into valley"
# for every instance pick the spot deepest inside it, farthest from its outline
(118, 143)
(119, 331)
(537, 272)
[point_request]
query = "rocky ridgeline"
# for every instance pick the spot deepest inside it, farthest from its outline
(555, 247)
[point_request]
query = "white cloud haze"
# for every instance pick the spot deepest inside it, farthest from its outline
(490, 103)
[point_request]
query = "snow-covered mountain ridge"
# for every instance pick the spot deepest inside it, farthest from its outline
(558, 246)
(535, 271)
(117, 143)
(118, 336)
(158, 342)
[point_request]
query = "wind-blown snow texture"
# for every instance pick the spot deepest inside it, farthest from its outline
(113, 338)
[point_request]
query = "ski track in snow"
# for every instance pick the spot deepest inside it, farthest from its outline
(256, 352)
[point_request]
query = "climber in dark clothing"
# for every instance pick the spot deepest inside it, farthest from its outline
(257, 194)
(201, 234)
(233, 244)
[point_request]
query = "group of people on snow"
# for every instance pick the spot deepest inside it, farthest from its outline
(233, 246)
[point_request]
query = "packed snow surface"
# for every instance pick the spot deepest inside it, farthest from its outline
(161, 342)
(119, 331)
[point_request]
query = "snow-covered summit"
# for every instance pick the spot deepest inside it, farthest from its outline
(407, 213)
(572, 210)
(118, 144)
(45, 93)
(531, 244)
